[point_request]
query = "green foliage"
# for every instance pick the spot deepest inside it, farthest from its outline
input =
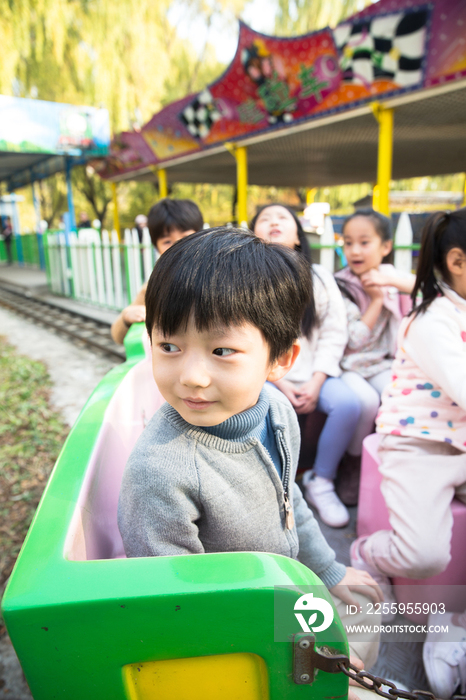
(31, 436)
(302, 16)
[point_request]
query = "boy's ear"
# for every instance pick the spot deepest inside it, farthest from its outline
(284, 363)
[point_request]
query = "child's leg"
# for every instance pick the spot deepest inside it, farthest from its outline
(369, 399)
(419, 482)
(362, 645)
(342, 407)
(379, 381)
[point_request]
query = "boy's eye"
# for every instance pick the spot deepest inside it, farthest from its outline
(169, 347)
(223, 352)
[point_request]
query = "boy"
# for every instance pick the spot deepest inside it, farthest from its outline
(168, 221)
(214, 469)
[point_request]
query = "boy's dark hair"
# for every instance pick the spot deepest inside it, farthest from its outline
(225, 277)
(309, 320)
(381, 223)
(442, 231)
(170, 214)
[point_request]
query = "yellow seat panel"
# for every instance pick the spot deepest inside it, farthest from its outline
(225, 676)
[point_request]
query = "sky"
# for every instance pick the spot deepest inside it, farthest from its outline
(258, 14)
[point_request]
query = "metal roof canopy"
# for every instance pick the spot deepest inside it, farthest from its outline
(21, 169)
(429, 139)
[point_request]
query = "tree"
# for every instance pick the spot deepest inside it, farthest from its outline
(96, 191)
(302, 16)
(52, 198)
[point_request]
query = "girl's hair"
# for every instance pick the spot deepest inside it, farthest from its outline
(443, 231)
(310, 320)
(381, 223)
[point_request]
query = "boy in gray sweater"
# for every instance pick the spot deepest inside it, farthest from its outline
(214, 469)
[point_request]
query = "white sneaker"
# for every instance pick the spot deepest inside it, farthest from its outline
(358, 562)
(320, 493)
(444, 655)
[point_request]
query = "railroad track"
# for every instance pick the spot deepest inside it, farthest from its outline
(88, 332)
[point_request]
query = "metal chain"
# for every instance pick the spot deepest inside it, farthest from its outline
(376, 684)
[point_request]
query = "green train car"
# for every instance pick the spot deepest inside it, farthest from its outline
(89, 624)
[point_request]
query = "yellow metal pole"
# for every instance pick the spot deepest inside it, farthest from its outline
(241, 154)
(116, 218)
(163, 189)
(384, 161)
(376, 198)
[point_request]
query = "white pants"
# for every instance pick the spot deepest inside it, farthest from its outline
(368, 392)
(368, 649)
(419, 480)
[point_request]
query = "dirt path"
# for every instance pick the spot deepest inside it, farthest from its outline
(74, 371)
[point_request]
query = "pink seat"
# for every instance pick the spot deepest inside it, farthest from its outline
(448, 587)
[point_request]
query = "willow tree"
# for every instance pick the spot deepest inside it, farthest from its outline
(125, 56)
(302, 16)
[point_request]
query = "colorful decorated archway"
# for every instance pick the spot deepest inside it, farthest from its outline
(382, 95)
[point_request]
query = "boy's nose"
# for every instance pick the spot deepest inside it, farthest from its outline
(194, 374)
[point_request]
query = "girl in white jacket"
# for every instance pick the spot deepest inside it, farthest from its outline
(314, 382)
(423, 416)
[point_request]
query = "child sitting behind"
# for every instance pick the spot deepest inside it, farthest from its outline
(375, 305)
(168, 221)
(214, 469)
(422, 417)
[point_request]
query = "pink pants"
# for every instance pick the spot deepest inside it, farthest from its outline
(419, 480)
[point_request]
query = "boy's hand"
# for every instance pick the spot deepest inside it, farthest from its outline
(135, 313)
(359, 581)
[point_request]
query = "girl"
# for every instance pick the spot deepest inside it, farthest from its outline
(374, 310)
(423, 415)
(314, 383)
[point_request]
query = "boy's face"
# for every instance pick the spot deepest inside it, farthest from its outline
(210, 376)
(171, 237)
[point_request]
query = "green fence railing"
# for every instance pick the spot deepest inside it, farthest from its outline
(26, 249)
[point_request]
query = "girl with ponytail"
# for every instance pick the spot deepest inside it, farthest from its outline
(422, 418)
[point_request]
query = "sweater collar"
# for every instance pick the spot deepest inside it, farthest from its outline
(242, 424)
(220, 443)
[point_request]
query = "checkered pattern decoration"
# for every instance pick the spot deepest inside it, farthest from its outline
(200, 115)
(391, 47)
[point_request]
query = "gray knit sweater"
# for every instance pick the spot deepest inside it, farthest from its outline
(185, 491)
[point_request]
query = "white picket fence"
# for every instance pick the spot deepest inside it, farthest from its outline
(100, 270)
(103, 271)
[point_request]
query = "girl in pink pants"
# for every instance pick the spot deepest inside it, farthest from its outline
(423, 415)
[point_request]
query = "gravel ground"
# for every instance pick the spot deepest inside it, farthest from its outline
(74, 372)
